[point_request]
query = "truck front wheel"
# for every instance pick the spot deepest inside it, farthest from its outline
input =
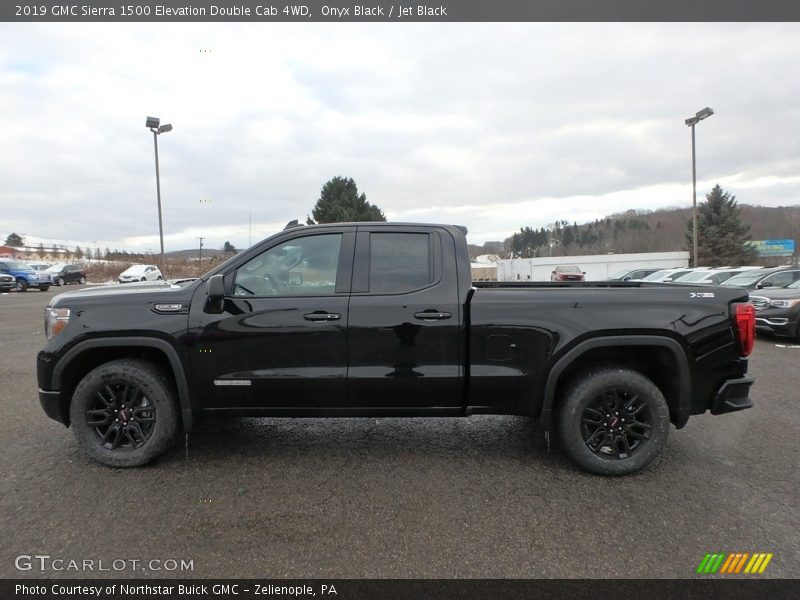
(123, 413)
(613, 421)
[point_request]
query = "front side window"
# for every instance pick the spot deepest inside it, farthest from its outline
(399, 262)
(305, 266)
(779, 279)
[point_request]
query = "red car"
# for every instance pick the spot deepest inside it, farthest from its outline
(567, 273)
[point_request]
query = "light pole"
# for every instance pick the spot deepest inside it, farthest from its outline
(153, 123)
(691, 122)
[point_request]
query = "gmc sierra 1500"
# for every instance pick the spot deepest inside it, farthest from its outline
(383, 319)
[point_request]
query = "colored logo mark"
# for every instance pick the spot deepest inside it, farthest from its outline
(734, 563)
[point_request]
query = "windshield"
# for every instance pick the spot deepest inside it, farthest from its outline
(743, 279)
(619, 274)
(657, 275)
(694, 276)
(568, 270)
(136, 269)
(56, 268)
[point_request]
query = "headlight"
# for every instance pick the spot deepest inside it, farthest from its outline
(55, 320)
(784, 303)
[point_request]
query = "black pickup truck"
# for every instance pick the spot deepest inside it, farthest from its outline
(383, 319)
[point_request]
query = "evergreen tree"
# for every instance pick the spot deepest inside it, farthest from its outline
(721, 235)
(340, 202)
(78, 252)
(229, 248)
(14, 240)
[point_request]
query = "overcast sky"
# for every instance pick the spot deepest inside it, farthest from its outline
(493, 126)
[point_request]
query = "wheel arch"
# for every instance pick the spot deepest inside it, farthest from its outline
(89, 354)
(662, 359)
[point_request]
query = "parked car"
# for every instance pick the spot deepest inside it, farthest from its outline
(383, 319)
(24, 276)
(7, 283)
(567, 273)
(709, 276)
(632, 274)
(756, 279)
(140, 273)
(63, 274)
(667, 275)
(778, 310)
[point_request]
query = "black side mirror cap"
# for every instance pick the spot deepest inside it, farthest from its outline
(215, 289)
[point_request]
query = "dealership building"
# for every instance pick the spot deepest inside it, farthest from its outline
(597, 267)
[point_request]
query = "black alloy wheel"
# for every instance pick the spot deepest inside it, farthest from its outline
(616, 424)
(613, 421)
(121, 416)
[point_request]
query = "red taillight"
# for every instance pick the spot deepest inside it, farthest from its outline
(744, 318)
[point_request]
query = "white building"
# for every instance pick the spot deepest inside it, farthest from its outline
(484, 267)
(597, 267)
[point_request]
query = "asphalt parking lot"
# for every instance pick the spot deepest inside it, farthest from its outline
(355, 498)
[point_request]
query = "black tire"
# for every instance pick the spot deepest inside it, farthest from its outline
(133, 413)
(143, 279)
(160, 278)
(613, 421)
(82, 280)
(59, 282)
(22, 285)
(44, 288)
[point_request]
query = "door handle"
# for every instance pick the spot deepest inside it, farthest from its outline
(432, 315)
(322, 316)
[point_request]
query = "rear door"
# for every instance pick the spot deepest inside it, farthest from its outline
(405, 342)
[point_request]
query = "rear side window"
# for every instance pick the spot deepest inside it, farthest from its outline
(400, 262)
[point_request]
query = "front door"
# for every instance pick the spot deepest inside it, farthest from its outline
(281, 342)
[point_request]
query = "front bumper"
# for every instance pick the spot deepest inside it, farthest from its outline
(733, 396)
(777, 322)
(52, 405)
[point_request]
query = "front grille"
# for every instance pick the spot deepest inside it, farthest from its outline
(759, 302)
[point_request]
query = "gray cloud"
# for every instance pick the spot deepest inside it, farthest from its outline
(490, 125)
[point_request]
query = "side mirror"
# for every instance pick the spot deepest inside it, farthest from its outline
(553, 272)
(215, 288)
(764, 284)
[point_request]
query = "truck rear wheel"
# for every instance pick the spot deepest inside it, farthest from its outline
(123, 413)
(613, 421)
